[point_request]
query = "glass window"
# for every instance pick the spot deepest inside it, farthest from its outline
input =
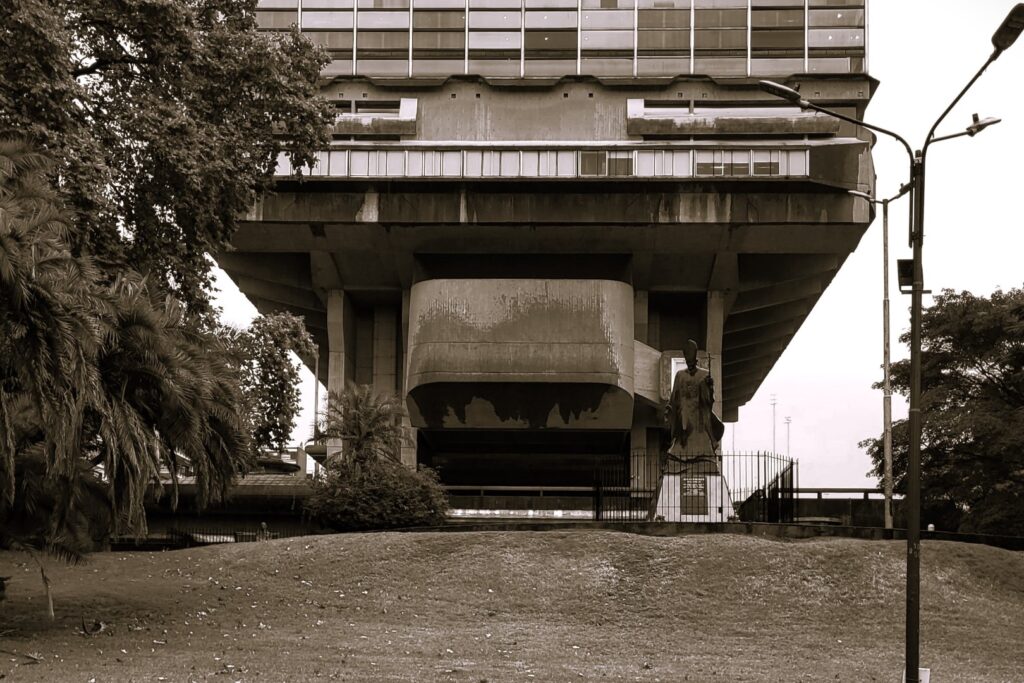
(737, 163)
(681, 167)
(326, 4)
(451, 164)
(339, 163)
(566, 163)
(593, 163)
(439, 4)
(327, 20)
(277, 4)
(493, 40)
(797, 162)
(763, 165)
(359, 162)
(620, 163)
(607, 40)
(550, 20)
(490, 20)
(383, 20)
(607, 19)
(509, 164)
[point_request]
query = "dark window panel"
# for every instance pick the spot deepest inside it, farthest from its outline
(729, 39)
(424, 20)
(383, 40)
(720, 18)
(663, 18)
(428, 40)
(777, 18)
(776, 39)
(383, 4)
(663, 40)
(551, 40)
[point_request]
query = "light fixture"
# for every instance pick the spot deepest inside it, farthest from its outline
(982, 124)
(1010, 29)
(905, 275)
(785, 92)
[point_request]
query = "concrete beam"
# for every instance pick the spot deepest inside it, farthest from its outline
(759, 270)
(713, 342)
(753, 365)
(282, 269)
(760, 335)
(282, 294)
(769, 316)
(773, 349)
(313, 319)
(764, 297)
(324, 273)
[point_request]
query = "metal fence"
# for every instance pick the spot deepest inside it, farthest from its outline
(746, 487)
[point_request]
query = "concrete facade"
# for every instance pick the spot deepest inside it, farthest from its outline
(520, 256)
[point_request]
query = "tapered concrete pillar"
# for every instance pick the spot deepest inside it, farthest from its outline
(640, 315)
(409, 444)
(385, 367)
(340, 342)
(713, 343)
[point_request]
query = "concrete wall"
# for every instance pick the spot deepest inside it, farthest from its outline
(559, 352)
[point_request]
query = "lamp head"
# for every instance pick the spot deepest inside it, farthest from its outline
(981, 124)
(1008, 31)
(779, 90)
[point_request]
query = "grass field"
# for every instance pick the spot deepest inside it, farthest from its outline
(526, 606)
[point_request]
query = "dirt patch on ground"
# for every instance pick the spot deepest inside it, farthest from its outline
(516, 606)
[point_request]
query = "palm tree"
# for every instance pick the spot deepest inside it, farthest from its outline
(101, 384)
(368, 422)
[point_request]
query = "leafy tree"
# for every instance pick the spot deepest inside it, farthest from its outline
(972, 442)
(369, 488)
(102, 385)
(269, 376)
(166, 118)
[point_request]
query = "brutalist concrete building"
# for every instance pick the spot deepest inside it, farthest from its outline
(530, 205)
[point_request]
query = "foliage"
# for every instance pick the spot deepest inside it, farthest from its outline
(369, 423)
(166, 118)
(369, 488)
(101, 384)
(377, 494)
(972, 401)
(269, 376)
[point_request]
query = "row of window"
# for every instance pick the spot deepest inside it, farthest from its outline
(556, 37)
(476, 163)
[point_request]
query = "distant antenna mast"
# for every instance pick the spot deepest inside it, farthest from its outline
(773, 402)
(788, 420)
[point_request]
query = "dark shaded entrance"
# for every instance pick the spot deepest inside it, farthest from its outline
(522, 469)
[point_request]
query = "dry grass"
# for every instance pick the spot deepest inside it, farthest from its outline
(541, 606)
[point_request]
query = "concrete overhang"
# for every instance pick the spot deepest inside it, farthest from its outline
(650, 121)
(401, 123)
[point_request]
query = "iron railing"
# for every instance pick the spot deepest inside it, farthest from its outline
(745, 487)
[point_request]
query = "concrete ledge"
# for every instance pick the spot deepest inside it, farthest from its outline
(781, 531)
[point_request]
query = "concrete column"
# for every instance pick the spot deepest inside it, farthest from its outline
(640, 315)
(713, 343)
(339, 343)
(385, 366)
(409, 446)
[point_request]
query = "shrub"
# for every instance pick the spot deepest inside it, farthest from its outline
(369, 488)
(376, 494)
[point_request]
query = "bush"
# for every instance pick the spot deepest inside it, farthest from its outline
(376, 494)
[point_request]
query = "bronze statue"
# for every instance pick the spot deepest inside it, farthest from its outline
(696, 430)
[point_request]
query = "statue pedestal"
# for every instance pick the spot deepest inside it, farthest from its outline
(694, 492)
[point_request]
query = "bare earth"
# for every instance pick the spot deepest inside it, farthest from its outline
(527, 606)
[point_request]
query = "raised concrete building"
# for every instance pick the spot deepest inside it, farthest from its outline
(530, 205)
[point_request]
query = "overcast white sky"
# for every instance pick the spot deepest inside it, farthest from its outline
(922, 52)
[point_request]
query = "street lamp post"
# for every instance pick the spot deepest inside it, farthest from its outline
(1003, 38)
(886, 365)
